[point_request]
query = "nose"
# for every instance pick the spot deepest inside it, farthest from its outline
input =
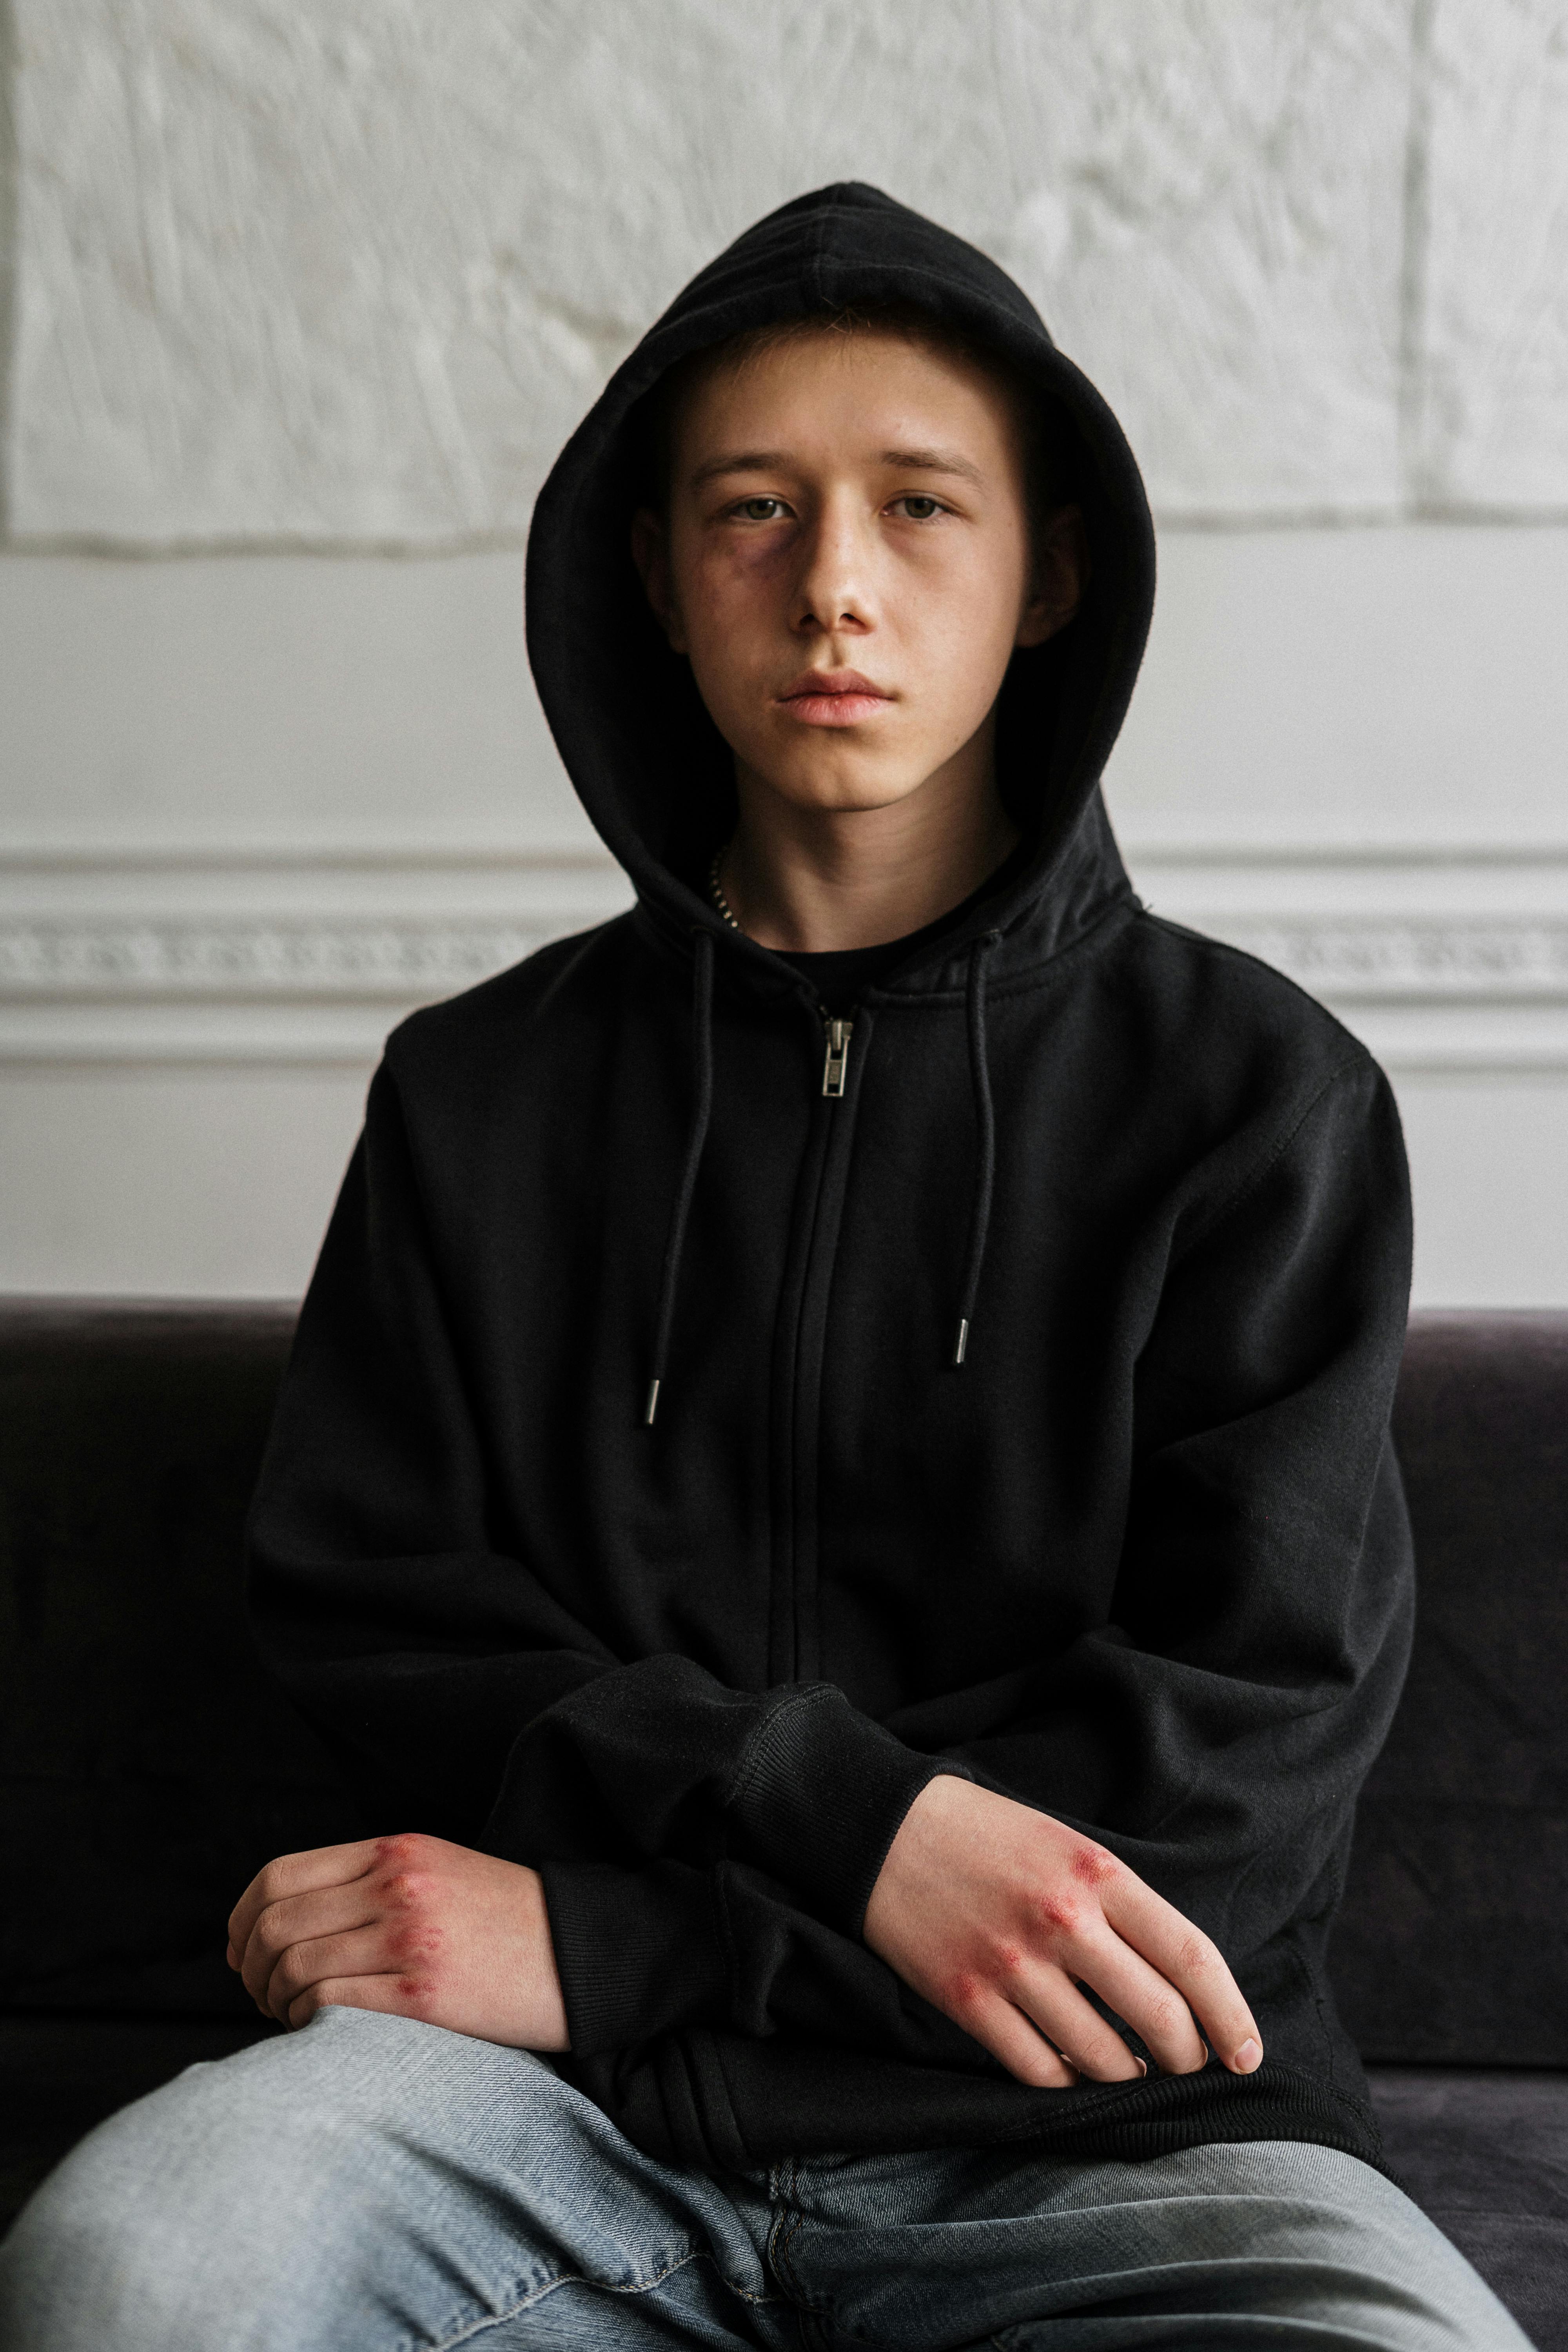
(833, 595)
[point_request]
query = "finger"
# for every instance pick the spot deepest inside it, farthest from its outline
(322, 1959)
(1148, 2001)
(1024, 2051)
(1187, 1959)
(1076, 2028)
(301, 1919)
(296, 1920)
(297, 1874)
(390, 1993)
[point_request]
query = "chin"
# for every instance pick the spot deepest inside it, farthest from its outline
(845, 796)
(840, 786)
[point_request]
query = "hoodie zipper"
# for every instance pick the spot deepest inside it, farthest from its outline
(793, 1635)
(836, 1068)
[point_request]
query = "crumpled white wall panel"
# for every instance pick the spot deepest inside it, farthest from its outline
(350, 271)
(1494, 410)
(1210, 213)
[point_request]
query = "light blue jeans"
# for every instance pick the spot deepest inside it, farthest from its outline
(373, 2185)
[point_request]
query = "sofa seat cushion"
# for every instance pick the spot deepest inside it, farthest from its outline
(1485, 2153)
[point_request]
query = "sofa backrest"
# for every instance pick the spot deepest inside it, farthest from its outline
(1452, 1943)
(147, 1767)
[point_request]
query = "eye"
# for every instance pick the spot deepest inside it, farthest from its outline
(765, 509)
(919, 507)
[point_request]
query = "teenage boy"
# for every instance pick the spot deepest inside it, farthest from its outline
(834, 1483)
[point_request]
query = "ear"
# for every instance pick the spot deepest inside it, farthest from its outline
(651, 553)
(1059, 579)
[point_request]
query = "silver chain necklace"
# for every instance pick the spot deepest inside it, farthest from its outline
(716, 891)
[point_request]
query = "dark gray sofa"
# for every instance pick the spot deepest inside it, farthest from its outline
(147, 1769)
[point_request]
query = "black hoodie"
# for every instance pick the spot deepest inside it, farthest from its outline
(1141, 1560)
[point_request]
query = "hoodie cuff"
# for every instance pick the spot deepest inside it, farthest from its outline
(821, 1794)
(638, 1951)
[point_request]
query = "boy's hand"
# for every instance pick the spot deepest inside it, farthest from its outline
(995, 1914)
(407, 1924)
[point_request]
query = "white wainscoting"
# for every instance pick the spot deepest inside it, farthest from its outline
(253, 807)
(1442, 961)
(185, 1039)
(242, 959)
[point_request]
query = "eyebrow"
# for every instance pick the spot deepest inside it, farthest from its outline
(933, 461)
(767, 461)
(743, 461)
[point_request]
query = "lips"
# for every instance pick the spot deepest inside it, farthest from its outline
(832, 697)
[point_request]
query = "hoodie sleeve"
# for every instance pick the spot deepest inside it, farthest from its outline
(466, 1698)
(1215, 1731)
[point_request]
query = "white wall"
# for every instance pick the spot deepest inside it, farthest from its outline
(303, 301)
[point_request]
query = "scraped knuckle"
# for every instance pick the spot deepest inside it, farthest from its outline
(964, 1995)
(407, 1850)
(1054, 1916)
(404, 1880)
(409, 1944)
(1092, 1866)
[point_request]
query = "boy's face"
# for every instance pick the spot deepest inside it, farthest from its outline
(847, 561)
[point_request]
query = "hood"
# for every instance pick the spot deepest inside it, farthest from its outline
(649, 764)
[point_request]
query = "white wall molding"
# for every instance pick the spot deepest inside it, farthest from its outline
(1442, 960)
(299, 955)
(1440, 957)
(408, 960)
(1366, 959)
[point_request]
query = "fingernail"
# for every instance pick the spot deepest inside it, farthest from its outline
(1140, 2065)
(1248, 2057)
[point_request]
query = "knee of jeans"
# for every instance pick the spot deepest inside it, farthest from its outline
(156, 2227)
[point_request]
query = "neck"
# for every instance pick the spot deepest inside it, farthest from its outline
(809, 881)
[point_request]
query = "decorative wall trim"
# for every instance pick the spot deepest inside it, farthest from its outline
(419, 958)
(407, 962)
(1367, 960)
(1441, 959)
(304, 955)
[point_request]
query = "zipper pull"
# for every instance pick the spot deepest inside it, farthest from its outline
(834, 1069)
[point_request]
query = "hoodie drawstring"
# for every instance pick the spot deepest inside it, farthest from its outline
(701, 1110)
(702, 1105)
(986, 1121)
